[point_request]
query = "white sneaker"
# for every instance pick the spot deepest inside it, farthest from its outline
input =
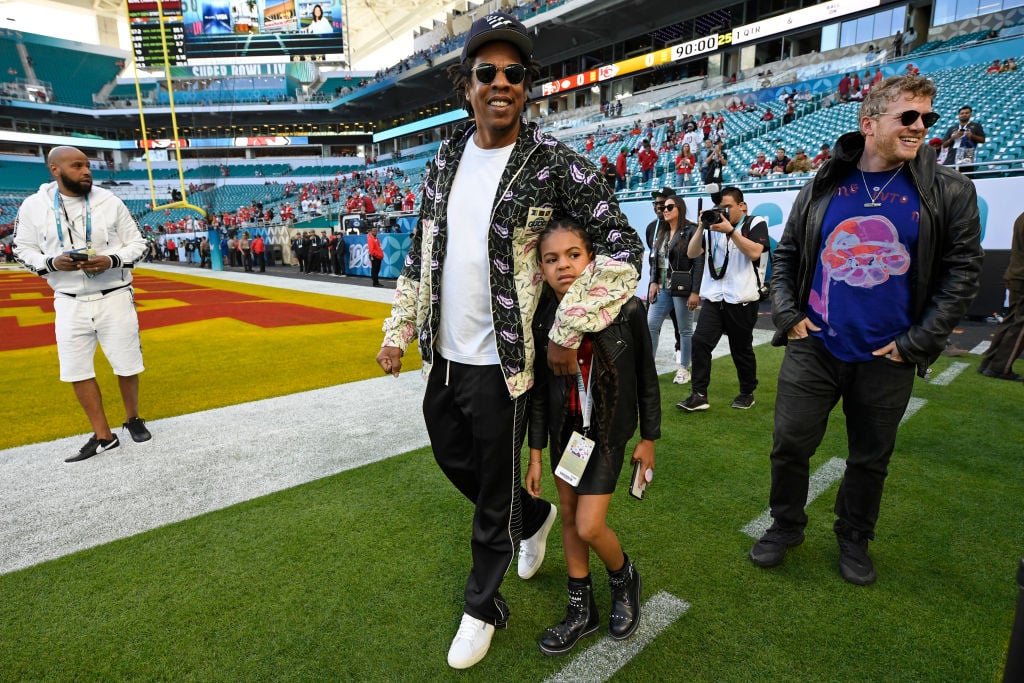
(682, 376)
(471, 642)
(532, 549)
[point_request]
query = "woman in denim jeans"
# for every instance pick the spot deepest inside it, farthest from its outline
(670, 243)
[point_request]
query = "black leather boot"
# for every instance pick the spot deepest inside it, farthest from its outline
(581, 619)
(625, 584)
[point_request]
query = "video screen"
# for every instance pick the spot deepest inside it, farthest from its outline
(263, 28)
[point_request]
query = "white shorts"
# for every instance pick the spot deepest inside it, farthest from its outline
(110, 320)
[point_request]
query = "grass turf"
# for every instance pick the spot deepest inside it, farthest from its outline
(359, 576)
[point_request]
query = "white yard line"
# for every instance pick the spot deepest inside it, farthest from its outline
(822, 478)
(949, 374)
(820, 481)
(603, 659)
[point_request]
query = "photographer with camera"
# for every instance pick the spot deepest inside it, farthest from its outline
(729, 291)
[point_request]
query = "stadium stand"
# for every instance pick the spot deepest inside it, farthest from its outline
(75, 71)
(22, 176)
(816, 122)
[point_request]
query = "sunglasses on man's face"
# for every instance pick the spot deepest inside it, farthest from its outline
(487, 72)
(908, 117)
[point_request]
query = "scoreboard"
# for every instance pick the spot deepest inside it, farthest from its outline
(146, 28)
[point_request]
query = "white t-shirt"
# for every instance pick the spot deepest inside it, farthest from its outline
(739, 285)
(467, 329)
(73, 220)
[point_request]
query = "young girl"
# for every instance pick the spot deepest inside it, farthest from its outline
(619, 382)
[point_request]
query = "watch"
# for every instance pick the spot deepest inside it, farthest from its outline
(729, 234)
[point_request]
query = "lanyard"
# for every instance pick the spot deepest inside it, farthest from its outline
(58, 205)
(585, 394)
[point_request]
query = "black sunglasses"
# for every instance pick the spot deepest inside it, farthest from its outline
(487, 72)
(908, 117)
(670, 207)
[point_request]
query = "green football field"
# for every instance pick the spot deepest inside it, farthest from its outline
(359, 576)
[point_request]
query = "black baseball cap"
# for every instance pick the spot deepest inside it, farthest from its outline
(663, 192)
(497, 26)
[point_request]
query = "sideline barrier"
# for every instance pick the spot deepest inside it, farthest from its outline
(395, 246)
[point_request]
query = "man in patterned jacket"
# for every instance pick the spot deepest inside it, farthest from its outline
(469, 290)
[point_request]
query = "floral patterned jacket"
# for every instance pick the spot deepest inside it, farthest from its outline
(543, 180)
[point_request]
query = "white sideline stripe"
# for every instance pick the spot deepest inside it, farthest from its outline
(949, 374)
(826, 475)
(600, 661)
(198, 463)
(338, 287)
(981, 348)
(665, 360)
(205, 461)
(820, 481)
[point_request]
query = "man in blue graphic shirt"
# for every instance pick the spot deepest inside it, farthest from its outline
(878, 262)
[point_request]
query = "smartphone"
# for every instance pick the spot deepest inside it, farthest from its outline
(638, 484)
(78, 256)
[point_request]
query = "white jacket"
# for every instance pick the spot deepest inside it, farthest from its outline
(115, 233)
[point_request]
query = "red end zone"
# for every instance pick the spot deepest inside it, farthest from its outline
(197, 303)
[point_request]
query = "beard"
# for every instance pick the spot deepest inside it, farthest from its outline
(80, 188)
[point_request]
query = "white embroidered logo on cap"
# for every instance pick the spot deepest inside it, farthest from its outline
(497, 21)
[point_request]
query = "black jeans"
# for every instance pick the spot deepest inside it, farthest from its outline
(476, 432)
(737, 322)
(375, 270)
(875, 395)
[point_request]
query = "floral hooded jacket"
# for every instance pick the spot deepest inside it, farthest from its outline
(543, 180)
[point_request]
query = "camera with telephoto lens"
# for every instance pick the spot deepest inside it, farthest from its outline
(713, 215)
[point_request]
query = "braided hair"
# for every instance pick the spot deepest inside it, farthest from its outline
(606, 387)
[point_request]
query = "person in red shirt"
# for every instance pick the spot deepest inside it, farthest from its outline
(376, 255)
(647, 158)
(620, 169)
(409, 203)
(367, 204)
(821, 157)
(259, 252)
(761, 166)
(844, 88)
(685, 164)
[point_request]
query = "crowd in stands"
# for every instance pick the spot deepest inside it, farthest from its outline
(1006, 66)
(364, 193)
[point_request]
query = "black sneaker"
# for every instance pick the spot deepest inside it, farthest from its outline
(695, 402)
(93, 446)
(855, 564)
(743, 401)
(136, 426)
(770, 549)
(1011, 376)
